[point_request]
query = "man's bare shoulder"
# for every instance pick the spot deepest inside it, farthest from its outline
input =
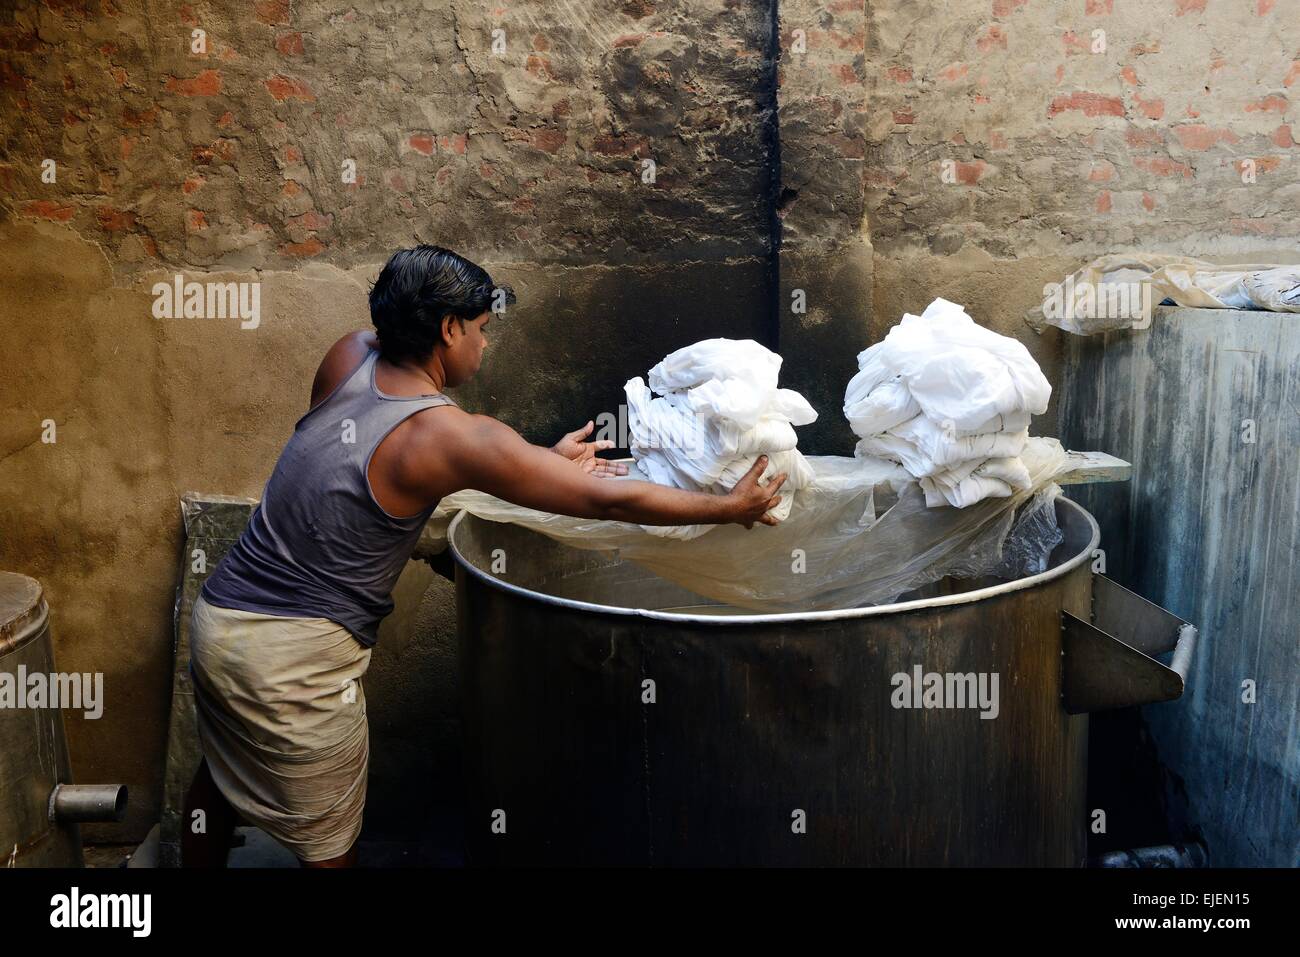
(450, 425)
(341, 361)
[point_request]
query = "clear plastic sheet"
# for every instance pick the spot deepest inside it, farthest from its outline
(839, 547)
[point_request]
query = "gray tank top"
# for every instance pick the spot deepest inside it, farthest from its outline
(319, 545)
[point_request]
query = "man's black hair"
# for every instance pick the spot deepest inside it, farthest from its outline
(418, 287)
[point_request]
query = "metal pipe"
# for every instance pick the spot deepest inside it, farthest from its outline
(78, 803)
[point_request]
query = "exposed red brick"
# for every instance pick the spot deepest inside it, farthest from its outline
(845, 74)
(1130, 75)
(312, 220)
(608, 145)
(1004, 8)
(1162, 166)
(1282, 136)
(118, 74)
(899, 74)
(11, 79)
(968, 174)
(1098, 8)
(421, 143)
(455, 143)
(1151, 109)
(539, 66)
(993, 37)
(272, 12)
(19, 41)
(954, 72)
(1269, 104)
(1101, 172)
(126, 144)
(1148, 202)
(48, 209)
(310, 247)
(1183, 7)
(522, 205)
(1103, 201)
(540, 43)
(1074, 44)
(290, 188)
(290, 44)
(207, 83)
(561, 108)
(1262, 7)
(1142, 49)
(444, 175)
(287, 88)
(1090, 104)
(192, 184)
(131, 118)
(638, 9)
(852, 147)
(292, 154)
(1198, 136)
(1292, 74)
(226, 119)
(904, 117)
(629, 40)
(548, 139)
(1266, 164)
(1253, 227)
(114, 220)
(195, 220)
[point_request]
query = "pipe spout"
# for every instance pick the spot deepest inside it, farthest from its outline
(84, 803)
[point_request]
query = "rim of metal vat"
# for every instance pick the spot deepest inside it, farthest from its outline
(23, 611)
(961, 598)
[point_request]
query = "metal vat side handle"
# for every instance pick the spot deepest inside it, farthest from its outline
(1109, 662)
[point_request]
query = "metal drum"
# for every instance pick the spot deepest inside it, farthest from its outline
(612, 717)
(39, 806)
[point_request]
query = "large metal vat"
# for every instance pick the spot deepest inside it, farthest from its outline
(763, 723)
(39, 805)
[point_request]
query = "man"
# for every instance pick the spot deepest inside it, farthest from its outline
(282, 630)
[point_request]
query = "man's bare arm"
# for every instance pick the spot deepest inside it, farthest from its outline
(490, 456)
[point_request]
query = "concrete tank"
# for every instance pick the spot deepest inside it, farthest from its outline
(612, 717)
(39, 806)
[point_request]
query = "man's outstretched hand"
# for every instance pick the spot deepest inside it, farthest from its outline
(582, 453)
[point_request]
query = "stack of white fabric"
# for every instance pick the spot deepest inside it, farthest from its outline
(951, 402)
(719, 409)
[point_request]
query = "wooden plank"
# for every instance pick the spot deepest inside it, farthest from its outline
(1085, 468)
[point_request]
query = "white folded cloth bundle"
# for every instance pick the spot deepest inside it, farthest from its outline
(719, 409)
(949, 400)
